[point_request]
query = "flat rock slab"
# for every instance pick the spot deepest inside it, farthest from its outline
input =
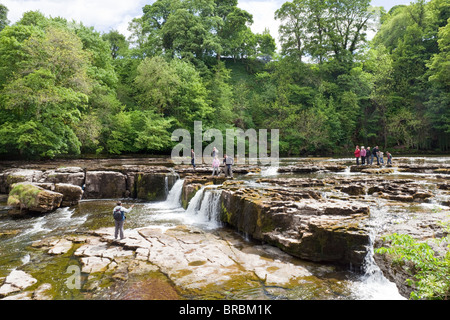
(191, 258)
(16, 281)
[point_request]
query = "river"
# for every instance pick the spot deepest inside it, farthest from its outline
(328, 282)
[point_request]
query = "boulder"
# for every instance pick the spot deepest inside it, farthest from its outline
(72, 194)
(354, 189)
(105, 185)
(29, 197)
(300, 223)
(10, 177)
(153, 186)
(69, 175)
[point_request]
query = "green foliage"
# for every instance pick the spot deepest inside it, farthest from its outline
(430, 276)
(67, 89)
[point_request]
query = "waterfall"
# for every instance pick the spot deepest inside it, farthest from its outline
(373, 284)
(204, 208)
(166, 186)
(173, 199)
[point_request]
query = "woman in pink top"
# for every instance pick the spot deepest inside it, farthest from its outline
(215, 165)
(363, 155)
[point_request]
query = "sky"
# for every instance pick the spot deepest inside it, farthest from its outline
(107, 15)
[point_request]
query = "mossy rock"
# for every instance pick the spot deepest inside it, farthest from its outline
(29, 197)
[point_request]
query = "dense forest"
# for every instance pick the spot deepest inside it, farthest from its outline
(346, 74)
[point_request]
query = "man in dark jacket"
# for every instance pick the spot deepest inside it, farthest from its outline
(375, 154)
(119, 218)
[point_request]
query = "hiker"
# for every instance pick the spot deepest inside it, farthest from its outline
(375, 154)
(215, 166)
(119, 218)
(380, 157)
(228, 163)
(193, 158)
(357, 154)
(363, 155)
(368, 154)
(389, 158)
(214, 153)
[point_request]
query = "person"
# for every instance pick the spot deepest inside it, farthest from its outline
(119, 218)
(215, 165)
(389, 158)
(363, 155)
(368, 154)
(380, 157)
(375, 154)
(193, 158)
(214, 153)
(357, 154)
(228, 163)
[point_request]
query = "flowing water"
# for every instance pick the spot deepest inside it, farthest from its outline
(17, 233)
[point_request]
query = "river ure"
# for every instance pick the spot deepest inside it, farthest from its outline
(313, 280)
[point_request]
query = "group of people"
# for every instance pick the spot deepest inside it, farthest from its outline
(228, 162)
(367, 156)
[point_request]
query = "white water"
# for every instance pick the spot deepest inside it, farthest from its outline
(270, 171)
(204, 208)
(373, 285)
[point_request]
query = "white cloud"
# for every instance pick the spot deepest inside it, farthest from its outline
(103, 15)
(263, 12)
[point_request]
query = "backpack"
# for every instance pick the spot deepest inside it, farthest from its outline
(118, 214)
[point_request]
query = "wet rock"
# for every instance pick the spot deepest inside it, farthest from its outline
(429, 167)
(300, 223)
(153, 186)
(72, 194)
(299, 169)
(378, 171)
(68, 175)
(60, 247)
(294, 182)
(29, 197)
(105, 185)
(16, 281)
(10, 177)
(354, 189)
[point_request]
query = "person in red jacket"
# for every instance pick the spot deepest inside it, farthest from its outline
(357, 154)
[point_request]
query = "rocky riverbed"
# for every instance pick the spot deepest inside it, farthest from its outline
(293, 223)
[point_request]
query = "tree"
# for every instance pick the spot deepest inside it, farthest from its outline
(3, 17)
(45, 95)
(319, 29)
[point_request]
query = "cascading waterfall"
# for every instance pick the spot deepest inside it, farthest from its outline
(204, 208)
(373, 284)
(173, 199)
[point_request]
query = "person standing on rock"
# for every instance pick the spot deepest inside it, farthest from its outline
(375, 154)
(215, 166)
(228, 163)
(389, 158)
(119, 218)
(363, 155)
(193, 158)
(357, 154)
